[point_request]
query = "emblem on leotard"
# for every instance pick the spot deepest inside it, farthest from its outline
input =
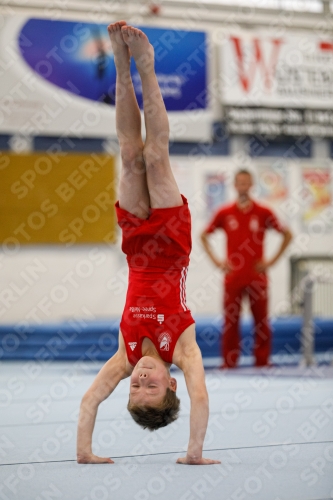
(160, 318)
(232, 222)
(254, 224)
(132, 345)
(164, 340)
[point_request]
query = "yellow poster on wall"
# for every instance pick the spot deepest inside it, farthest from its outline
(60, 198)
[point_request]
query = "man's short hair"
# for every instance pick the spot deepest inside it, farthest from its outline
(243, 171)
(154, 417)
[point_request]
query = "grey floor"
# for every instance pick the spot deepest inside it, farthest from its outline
(271, 429)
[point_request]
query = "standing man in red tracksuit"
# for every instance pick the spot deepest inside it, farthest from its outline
(245, 223)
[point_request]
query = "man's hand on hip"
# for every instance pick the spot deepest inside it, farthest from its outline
(224, 266)
(263, 265)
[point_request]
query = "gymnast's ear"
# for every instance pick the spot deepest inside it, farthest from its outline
(173, 384)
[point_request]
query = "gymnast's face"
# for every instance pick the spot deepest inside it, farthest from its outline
(149, 382)
(243, 184)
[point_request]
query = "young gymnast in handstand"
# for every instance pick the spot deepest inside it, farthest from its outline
(156, 328)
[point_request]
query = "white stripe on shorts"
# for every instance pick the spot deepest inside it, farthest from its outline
(183, 288)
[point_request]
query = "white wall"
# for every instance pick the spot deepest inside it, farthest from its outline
(52, 283)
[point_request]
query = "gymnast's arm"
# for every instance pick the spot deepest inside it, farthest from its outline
(191, 365)
(114, 370)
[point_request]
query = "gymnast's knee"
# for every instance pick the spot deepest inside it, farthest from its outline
(131, 154)
(156, 152)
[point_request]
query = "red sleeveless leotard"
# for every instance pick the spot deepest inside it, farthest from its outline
(157, 251)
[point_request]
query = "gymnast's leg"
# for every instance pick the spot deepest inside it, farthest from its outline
(163, 189)
(133, 190)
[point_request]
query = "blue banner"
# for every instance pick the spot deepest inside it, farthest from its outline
(78, 57)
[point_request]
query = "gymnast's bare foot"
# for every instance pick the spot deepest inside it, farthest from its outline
(119, 47)
(140, 48)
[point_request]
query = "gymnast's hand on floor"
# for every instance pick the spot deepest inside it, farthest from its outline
(197, 461)
(93, 459)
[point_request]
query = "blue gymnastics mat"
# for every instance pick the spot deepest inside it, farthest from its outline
(98, 339)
